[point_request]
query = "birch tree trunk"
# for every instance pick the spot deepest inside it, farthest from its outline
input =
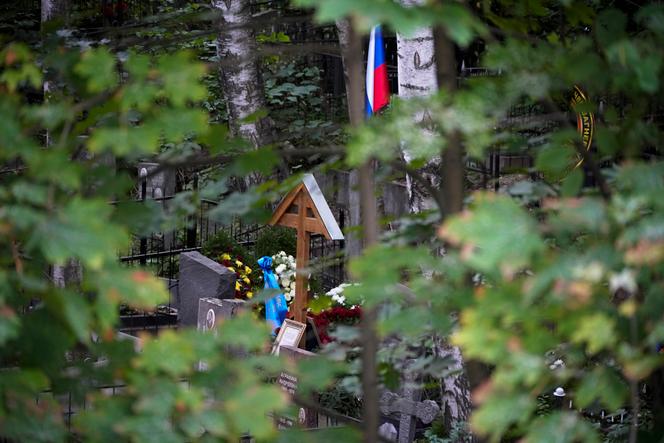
(416, 63)
(240, 77)
(70, 273)
(417, 78)
(52, 9)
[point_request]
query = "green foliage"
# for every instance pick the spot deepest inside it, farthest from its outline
(294, 96)
(273, 239)
(60, 341)
(223, 243)
(564, 269)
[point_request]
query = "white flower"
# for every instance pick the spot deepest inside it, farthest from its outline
(558, 364)
(625, 281)
(339, 298)
(280, 269)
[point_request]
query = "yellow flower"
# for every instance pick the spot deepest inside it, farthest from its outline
(238, 263)
(232, 269)
(237, 286)
(250, 294)
(247, 270)
(246, 280)
(225, 256)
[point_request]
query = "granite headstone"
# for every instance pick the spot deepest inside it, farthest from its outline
(201, 277)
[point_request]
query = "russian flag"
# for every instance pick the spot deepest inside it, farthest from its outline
(378, 90)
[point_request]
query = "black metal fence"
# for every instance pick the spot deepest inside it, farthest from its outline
(160, 251)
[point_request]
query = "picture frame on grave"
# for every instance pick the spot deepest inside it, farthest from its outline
(290, 334)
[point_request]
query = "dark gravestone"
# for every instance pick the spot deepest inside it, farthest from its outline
(307, 418)
(201, 277)
(213, 310)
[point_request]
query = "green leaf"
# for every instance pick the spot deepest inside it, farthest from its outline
(647, 73)
(152, 358)
(9, 324)
(653, 17)
(610, 26)
(75, 312)
(596, 331)
(135, 287)
(261, 400)
(243, 333)
(499, 412)
(475, 231)
(80, 229)
(98, 67)
(562, 427)
(571, 184)
(125, 140)
(602, 384)
(556, 160)
(181, 78)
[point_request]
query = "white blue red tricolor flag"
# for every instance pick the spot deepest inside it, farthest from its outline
(378, 90)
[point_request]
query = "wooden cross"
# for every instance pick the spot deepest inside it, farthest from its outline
(306, 210)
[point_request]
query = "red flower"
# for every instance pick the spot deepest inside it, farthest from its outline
(337, 314)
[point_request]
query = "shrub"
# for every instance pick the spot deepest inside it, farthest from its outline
(222, 243)
(273, 239)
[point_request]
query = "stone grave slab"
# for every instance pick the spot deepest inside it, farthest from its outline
(201, 277)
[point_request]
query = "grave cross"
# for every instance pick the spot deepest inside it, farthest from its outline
(409, 408)
(305, 210)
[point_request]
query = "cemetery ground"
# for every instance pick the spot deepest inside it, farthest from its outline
(331, 221)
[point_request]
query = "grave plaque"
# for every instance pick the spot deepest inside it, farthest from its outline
(307, 418)
(213, 310)
(201, 277)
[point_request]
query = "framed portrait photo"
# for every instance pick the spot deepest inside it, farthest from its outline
(290, 334)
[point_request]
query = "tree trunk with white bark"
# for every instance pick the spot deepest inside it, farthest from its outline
(71, 272)
(240, 77)
(417, 78)
(52, 9)
(416, 67)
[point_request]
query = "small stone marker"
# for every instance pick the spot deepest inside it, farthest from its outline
(201, 277)
(212, 310)
(409, 408)
(388, 431)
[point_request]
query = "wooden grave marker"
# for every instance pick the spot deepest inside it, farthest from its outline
(306, 210)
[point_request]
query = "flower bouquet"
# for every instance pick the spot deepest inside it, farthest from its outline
(339, 313)
(284, 268)
(246, 279)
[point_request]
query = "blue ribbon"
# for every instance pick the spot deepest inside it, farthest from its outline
(276, 308)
